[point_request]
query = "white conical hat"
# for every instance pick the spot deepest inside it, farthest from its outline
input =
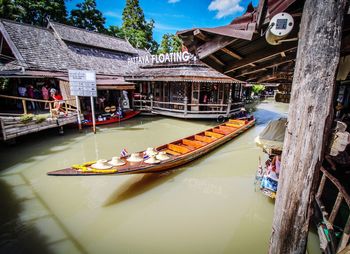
(134, 157)
(150, 151)
(162, 156)
(101, 164)
(152, 160)
(116, 161)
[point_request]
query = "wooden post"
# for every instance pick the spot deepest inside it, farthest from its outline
(151, 98)
(345, 237)
(78, 112)
(309, 119)
(50, 107)
(66, 107)
(24, 104)
(185, 105)
(229, 103)
(93, 114)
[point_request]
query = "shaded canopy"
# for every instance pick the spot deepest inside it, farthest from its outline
(272, 136)
(240, 50)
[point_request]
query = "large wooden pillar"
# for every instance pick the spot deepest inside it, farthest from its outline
(310, 112)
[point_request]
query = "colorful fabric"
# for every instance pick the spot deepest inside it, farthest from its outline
(145, 156)
(269, 183)
(124, 153)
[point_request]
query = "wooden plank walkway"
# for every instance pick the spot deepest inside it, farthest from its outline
(11, 126)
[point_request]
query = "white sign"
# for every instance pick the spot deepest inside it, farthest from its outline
(177, 57)
(82, 83)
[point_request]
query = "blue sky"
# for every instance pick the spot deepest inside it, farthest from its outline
(173, 15)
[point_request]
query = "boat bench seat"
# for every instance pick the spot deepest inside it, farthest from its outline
(220, 131)
(194, 143)
(204, 138)
(233, 125)
(212, 134)
(171, 152)
(227, 128)
(179, 149)
(236, 123)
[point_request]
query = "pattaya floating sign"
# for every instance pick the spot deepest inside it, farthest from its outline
(177, 57)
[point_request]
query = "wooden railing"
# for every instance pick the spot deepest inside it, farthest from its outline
(65, 106)
(332, 245)
(184, 107)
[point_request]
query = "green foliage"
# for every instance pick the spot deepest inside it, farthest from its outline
(115, 31)
(36, 12)
(87, 16)
(26, 118)
(4, 85)
(10, 10)
(176, 43)
(165, 44)
(40, 118)
(170, 43)
(257, 88)
(135, 28)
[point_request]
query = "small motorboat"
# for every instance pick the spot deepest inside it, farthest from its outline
(165, 157)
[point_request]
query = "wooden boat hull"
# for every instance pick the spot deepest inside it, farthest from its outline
(174, 160)
(115, 119)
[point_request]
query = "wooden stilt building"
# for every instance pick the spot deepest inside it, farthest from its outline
(37, 56)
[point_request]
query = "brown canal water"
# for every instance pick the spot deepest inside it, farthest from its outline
(208, 206)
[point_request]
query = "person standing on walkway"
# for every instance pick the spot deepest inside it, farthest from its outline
(30, 92)
(45, 94)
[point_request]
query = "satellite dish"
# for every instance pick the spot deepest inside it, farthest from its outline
(279, 27)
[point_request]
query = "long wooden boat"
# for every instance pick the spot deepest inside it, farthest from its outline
(115, 119)
(179, 152)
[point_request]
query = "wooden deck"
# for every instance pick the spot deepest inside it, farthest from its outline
(11, 126)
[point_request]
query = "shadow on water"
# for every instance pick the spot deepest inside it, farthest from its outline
(16, 236)
(38, 146)
(140, 184)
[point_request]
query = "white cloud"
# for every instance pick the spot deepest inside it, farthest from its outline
(112, 14)
(173, 1)
(225, 7)
(165, 27)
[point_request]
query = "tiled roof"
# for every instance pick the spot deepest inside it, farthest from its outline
(38, 46)
(42, 50)
(48, 50)
(81, 36)
(185, 72)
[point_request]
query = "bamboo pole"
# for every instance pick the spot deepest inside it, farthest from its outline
(308, 127)
(345, 237)
(336, 207)
(24, 104)
(50, 107)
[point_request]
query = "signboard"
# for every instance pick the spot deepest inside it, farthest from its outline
(177, 57)
(82, 83)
